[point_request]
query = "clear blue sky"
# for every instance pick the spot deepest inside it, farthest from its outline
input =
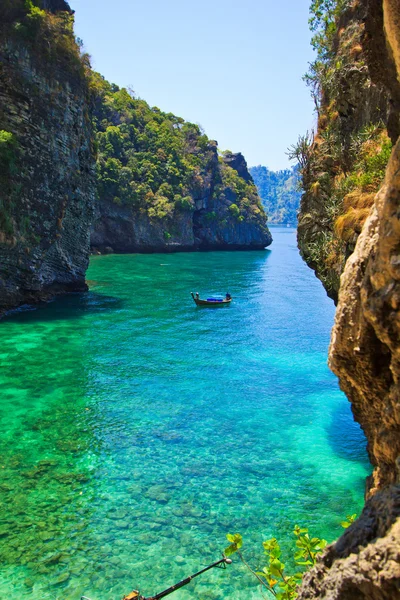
(233, 66)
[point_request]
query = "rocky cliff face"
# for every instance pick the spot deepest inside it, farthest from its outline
(228, 229)
(365, 354)
(162, 186)
(208, 222)
(46, 156)
(55, 6)
(237, 162)
(344, 162)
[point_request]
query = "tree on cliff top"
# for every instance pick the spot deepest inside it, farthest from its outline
(158, 162)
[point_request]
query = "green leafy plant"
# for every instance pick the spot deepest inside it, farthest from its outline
(322, 21)
(8, 167)
(234, 210)
(300, 152)
(273, 577)
(8, 150)
(236, 542)
(349, 520)
(35, 15)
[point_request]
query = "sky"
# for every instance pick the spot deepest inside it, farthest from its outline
(234, 67)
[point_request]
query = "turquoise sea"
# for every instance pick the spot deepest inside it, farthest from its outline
(137, 430)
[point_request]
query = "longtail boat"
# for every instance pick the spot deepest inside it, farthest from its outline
(211, 301)
(135, 595)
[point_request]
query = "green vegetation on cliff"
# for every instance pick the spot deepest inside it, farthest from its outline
(46, 153)
(343, 163)
(45, 40)
(8, 157)
(156, 162)
(279, 192)
(50, 33)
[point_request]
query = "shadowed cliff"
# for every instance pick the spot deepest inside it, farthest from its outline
(46, 155)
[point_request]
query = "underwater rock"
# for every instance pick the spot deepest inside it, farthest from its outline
(122, 524)
(117, 514)
(62, 578)
(45, 536)
(53, 559)
(158, 493)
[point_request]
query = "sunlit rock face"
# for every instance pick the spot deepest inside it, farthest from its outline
(353, 104)
(47, 165)
(238, 162)
(365, 346)
(365, 354)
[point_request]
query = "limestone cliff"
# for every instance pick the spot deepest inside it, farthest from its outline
(162, 185)
(365, 354)
(208, 222)
(343, 163)
(46, 154)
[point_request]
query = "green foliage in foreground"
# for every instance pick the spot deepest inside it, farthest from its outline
(274, 577)
(279, 192)
(349, 520)
(157, 162)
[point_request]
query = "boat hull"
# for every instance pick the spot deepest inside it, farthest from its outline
(212, 303)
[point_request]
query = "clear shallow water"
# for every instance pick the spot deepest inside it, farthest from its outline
(136, 429)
